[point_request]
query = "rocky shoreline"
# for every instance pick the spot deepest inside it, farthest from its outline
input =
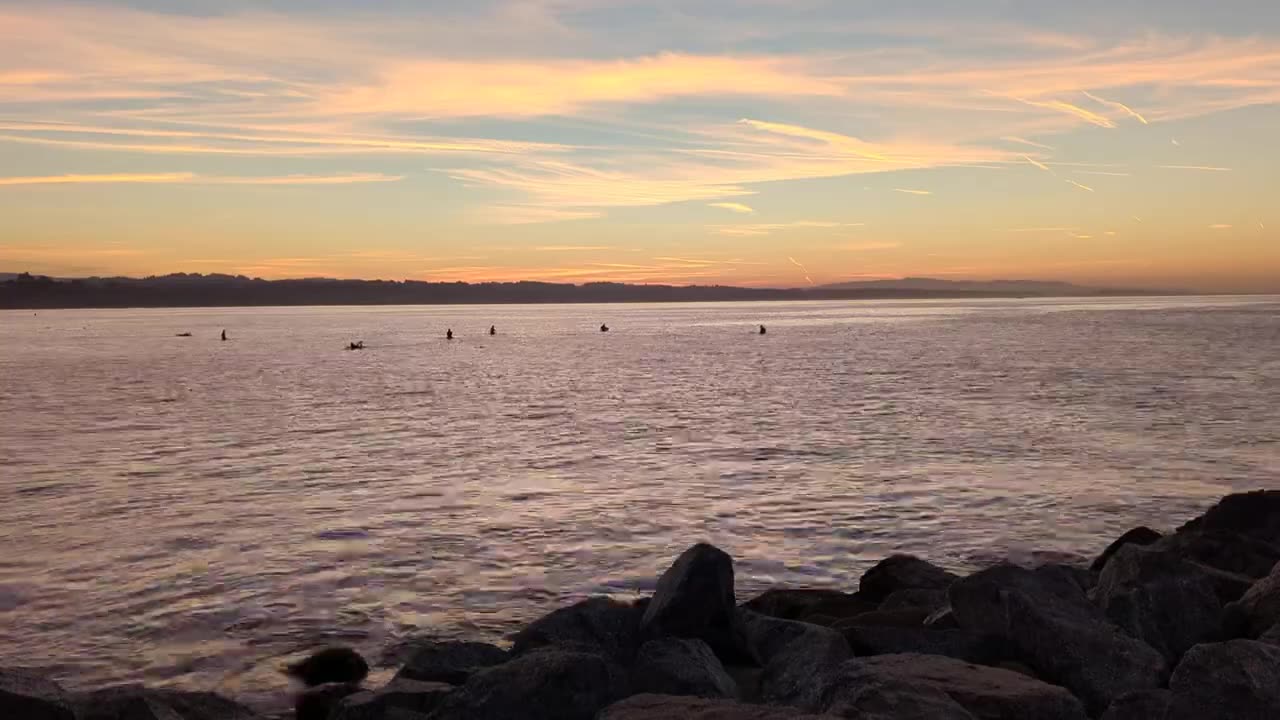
(1183, 626)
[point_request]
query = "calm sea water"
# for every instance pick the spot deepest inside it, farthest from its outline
(192, 512)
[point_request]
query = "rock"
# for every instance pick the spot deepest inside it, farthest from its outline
(797, 658)
(548, 684)
(1254, 514)
(891, 699)
(331, 665)
(667, 707)
(1137, 536)
(23, 694)
(984, 692)
(451, 661)
(1272, 636)
(1258, 610)
(135, 702)
(1156, 596)
(867, 640)
(600, 625)
(1043, 620)
(1232, 552)
(415, 696)
(942, 619)
(321, 701)
(915, 599)
(694, 599)
(801, 604)
(747, 679)
(904, 618)
(1239, 680)
(902, 572)
(675, 666)
(1145, 705)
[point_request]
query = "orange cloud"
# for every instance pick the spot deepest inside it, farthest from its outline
(99, 179)
(187, 177)
(734, 207)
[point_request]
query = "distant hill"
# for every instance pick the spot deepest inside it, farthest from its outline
(196, 290)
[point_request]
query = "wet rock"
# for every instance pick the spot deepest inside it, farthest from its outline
(1253, 514)
(694, 599)
(23, 694)
(902, 572)
(414, 696)
(203, 705)
(1232, 552)
(801, 604)
(984, 692)
(675, 666)
(547, 684)
(1145, 705)
(1239, 680)
(451, 661)
(1155, 596)
(1258, 610)
(135, 702)
(1138, 536)
(1043, 620)
(892, 699)
(667, 707)
(915, 599)
(321, 701)
(903, 618)
(331, 665)
(797, 658)
(1272, 636)
(597, 625)
(867, 640)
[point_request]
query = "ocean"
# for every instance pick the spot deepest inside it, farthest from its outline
(191, 512)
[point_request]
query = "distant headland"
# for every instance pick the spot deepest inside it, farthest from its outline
(27, 291)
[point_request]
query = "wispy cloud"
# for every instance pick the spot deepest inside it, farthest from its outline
(734, 207)
(571, 248)
(753, 229)
(529, 215)
(1039, 164)
(1080, 185)
(193, 178)
(803, 270)
(1118, 106)
(1024, 141)
(1065, 107)
(868, 246)
(109, 178)
(913, 192)
(1107, 173)
(1221, 226)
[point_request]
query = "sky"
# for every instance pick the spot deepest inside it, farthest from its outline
(742, 142)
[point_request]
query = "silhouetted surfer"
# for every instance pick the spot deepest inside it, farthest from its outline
(493, 330)
(184, 334)
(604, 328)
(449, 334)
(356, 345)
(224, 335)
(762, 330)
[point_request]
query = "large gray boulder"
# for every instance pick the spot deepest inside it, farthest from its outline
(868, 640)
(667, 707)
(695, 599)
(450, 661)
(415, 696)
(1235, 680)
(800, 604)
(797, 658)
(1258, 610)
(24, 694)
(677, 666)
(1140, 536)
(984, 692)
(1043, 620)
(1158, 597)
(902, 572)
(1145, 705)
(546, 684)
(597, 625)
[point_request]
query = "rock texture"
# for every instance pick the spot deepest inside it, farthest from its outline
(676, 666)
(666, 707)
(548, 684)
(26, 695)
(598, 625)
(902, 572)
(695, 599)
(451, 662)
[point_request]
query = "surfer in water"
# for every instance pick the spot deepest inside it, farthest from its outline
(493, 330)
(762, 330)
(448, 334)
(224, 335)
(604, 328)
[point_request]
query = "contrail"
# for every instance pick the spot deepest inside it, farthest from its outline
(1040, 165)
(803, 269)
(1079, 185)
(1118, 106)
(1204, 168)
(913, 192)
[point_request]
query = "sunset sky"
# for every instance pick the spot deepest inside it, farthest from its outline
(748, 142)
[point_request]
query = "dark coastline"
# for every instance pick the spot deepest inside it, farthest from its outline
(182, 290)
(1176, 626)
